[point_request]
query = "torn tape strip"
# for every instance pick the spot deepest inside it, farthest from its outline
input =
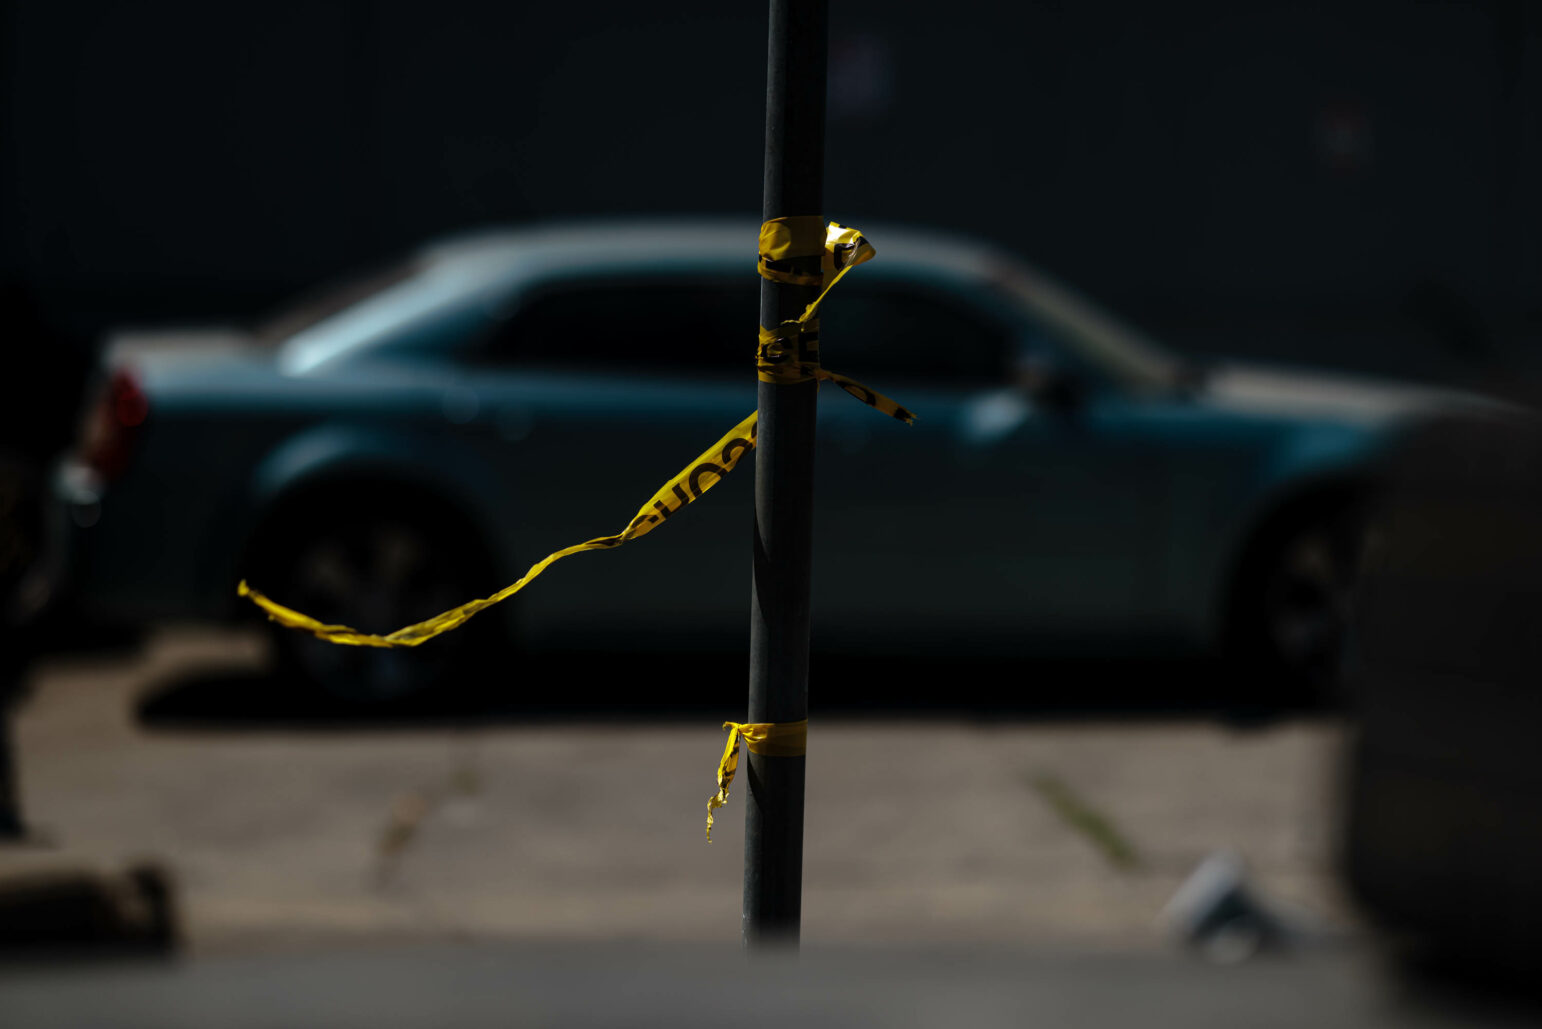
(872, 398)
(783, 240)
(772, 739)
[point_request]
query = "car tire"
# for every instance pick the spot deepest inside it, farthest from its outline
(1291, 610)
(376, 560)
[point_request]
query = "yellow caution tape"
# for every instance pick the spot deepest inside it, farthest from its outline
(698, 477)
(788, 354)
(782, 240)
(773, 739)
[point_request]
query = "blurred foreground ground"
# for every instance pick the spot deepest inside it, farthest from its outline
(922, 829)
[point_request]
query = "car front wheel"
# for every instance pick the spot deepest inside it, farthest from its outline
(376, 567)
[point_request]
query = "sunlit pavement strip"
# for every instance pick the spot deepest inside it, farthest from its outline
(917, 832)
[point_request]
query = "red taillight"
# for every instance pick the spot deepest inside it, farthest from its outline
(113, 424)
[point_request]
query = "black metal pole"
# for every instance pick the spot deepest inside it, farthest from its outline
(784, 471)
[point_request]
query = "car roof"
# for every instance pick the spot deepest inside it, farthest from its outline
(711, 241)
(465, 272)
(462, 269)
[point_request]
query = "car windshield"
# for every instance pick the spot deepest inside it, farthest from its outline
(1124, 353)
(316, 306)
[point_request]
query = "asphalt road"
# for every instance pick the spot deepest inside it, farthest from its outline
(502, 984)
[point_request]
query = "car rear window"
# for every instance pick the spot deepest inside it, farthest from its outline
(318, 305)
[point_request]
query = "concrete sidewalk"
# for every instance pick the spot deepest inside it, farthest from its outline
(919, 832)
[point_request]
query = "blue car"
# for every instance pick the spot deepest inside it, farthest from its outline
(420, 435)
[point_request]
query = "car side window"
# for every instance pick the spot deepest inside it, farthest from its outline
(633, 326)
(706, 326)
(892, 332)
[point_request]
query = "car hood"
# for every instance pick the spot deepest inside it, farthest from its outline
(1311, 395)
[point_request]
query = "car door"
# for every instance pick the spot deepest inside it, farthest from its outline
(592, 392)
(998, 518)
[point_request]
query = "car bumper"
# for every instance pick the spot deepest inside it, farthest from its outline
(113, 557)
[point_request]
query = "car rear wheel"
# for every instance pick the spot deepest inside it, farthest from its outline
(377, 567)
(1293, 607)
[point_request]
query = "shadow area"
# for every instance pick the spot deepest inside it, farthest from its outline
(662, 687)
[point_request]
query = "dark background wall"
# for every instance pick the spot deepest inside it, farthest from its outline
(1342, 182)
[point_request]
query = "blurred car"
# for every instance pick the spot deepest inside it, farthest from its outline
(418, 436)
